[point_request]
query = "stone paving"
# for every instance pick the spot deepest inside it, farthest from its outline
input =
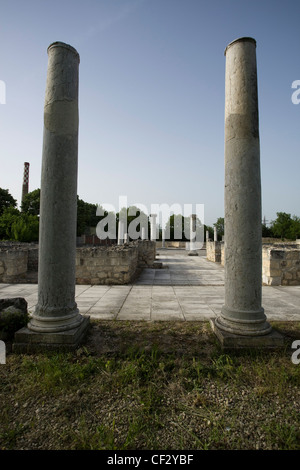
(187, 288)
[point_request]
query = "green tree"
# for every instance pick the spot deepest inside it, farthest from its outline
(25, 228)
(31, 202)
(86, 212)
(266, 231)
(220, 226)
(295, 227)
(210, 231)
(132, 213)
(175, 227)
(86, 217)
(9, 216)
(6, 200)
(179, 227)
(282, 227)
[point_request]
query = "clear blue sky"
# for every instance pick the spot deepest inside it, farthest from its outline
(152, 96)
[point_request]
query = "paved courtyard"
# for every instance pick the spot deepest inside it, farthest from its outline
(187, 288)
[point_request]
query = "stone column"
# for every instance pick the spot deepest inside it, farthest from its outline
(207, 235)
(56, 318)
(163, 238)
(153, 227)
(242, 313)
(215, 234)
(192, 247)
(121, 233)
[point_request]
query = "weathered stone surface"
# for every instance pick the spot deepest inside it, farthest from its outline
(27, 341)
(271, 340)
(56, 310)
(281, 266)
(242, 313)
(118, 264)
(213, 251)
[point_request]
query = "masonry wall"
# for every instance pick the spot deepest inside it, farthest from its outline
(213, 251)
(13, 265)
(281, 266)
(171, 244)
(115, 264)
(94, 265)
(17, 260)
(280, 262)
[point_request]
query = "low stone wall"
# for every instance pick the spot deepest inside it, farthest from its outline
(17, 260)
(13, 265)
(106, 266)
(281, 265)
(94, 265)
(146, 253)
(213, 251)
(118, 264)
(171, 244)
(280, 262)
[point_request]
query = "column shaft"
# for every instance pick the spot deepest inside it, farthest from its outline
(242, 312)
(56, 309)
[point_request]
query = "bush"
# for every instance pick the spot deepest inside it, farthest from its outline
(11, 320)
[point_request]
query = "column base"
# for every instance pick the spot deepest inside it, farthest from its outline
(28, 341)
(270, 340)
(192, 253)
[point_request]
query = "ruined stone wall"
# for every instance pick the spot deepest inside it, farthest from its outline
(146, 253)
(94, 265)
(280, 262)
(13, 265)
(281, 265)
(171, 244)
(213, 251)
(115, 264)
(17, 260)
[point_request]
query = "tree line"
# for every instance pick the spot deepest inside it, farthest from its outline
(23, 225)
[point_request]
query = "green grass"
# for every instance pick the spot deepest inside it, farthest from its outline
(152, 387)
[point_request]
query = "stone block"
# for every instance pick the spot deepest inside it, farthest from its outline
(277, 254)
(292, 255)
(274, 264)
(27, 341)
(272, 340)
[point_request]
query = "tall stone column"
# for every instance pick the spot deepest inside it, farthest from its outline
(121, 233)
(215, 234)
(163, 238)
(153, 227)
(242, 314)
(192, 245)
(56, 318)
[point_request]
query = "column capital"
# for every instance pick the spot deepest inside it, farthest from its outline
(242, 39)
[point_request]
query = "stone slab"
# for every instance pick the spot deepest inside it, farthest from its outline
(27, 341)
(273, 340)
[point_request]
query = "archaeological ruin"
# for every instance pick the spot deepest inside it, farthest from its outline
(60, 264)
